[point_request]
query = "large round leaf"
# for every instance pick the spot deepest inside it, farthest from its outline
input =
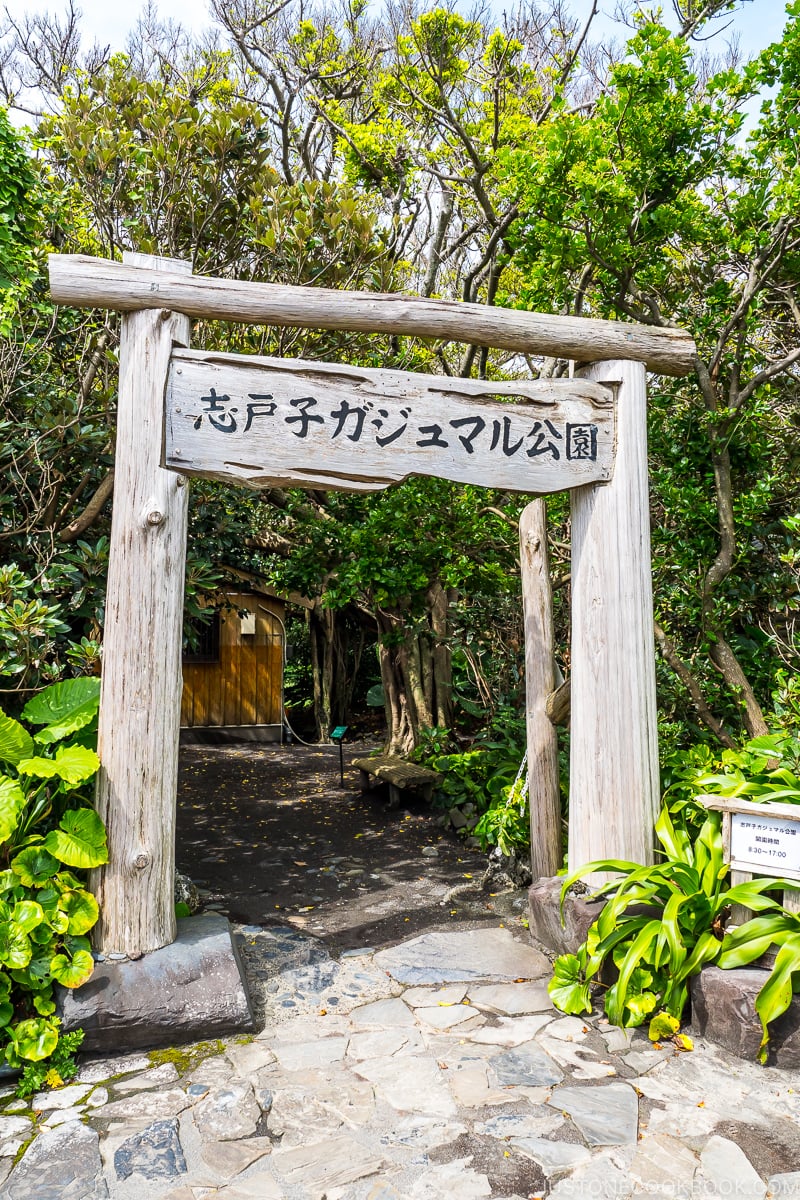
(15, 946)
(73, 764)
(80, 841)
(12, 802)
(34, 1039)
(59, 701)
(81, 910)
(26, 915)
(72, 972)
(34, 866)
(15, 741)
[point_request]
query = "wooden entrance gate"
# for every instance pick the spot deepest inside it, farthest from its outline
(318, 425)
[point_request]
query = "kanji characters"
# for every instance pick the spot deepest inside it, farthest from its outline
(218, 415)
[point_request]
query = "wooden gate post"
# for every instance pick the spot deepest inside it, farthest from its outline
(614, 782)
(141, 685)
(537, 606)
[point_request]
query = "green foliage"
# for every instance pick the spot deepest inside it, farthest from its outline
(765, 770)
(662, 924)
(47, 832)
(482, 781)
(19, 205)
(58, 1069)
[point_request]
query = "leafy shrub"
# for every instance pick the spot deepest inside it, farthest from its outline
(47, 834)
(481, 780)
(662, 924)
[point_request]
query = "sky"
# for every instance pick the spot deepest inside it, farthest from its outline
(758, 23)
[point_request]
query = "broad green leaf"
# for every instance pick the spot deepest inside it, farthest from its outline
(80, 841)
(12, 803)
(640, 1005)
(15, 946)
(567, 989)
(663, 1026)
(776, 994)
(34, 866)
(81, 910)
(60, 700)
(44, 1004)
(616, 995)
(8, 881)
(26, 915)
(34, 1039)
(71, 972)
(6, 1013)
(15, 741)
(73, 764)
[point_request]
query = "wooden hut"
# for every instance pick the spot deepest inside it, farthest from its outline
(233, 675)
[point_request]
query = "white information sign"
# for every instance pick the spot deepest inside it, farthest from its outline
(765, 845)
(263, 421)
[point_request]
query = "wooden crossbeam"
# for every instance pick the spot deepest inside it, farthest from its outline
(86, 282)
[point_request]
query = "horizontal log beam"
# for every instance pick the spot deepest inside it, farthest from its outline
(85, 282)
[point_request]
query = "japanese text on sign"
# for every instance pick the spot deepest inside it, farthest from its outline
(368, 421)
(258, 420)
(768, 844)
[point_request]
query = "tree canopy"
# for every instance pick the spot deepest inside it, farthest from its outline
(514, 162)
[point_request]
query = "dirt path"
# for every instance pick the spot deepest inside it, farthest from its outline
(272, 836)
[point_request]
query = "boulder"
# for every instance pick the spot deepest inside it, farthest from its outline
(190, 990)
(723, 1010)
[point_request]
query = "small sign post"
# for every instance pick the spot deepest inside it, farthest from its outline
(760, 839)
(336, 736)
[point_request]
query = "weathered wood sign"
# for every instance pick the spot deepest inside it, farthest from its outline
(760, 839)
(266, 421)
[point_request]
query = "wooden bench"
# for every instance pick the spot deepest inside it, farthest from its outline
(400, 775)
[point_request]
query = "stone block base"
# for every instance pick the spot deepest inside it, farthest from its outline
(190, 991)
(723, 1010)
(545, 920)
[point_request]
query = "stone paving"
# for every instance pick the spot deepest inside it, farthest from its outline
(434, 1069)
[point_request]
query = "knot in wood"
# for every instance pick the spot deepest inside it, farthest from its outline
(141, 861)
(155, 517)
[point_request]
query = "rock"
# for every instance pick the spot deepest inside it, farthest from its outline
(451, 1179)
(511, 999)
(249, 1058)
(723, 1010)
(553, 1157)
(545, 920)
(156, 1077)
(424, 1133)
(430, 852)
(227, 1113)
(537, 1121)
(428, 997)
(784, 1187)
(109, 1068)
(663, 1164)
(382, 1043)
(302, 1056)
(154, 1153)
(409, 1083)
(600, 1179)
(190, 990)
(446, 1016)
(14, 1132)
(607, 1116)
(510, 1031)
(526, 1066)
(726, 1171)
(231, 1158)
(61, 1164)
(321, 1166)
(261, 1186)
(383, 1014)
(98, 1098)
(59, 1116)
(147, 1105)
(65, 1097)
(490, 954)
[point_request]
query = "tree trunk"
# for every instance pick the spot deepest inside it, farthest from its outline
(415, 672)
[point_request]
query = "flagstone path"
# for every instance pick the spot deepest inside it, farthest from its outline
(433, 1069)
